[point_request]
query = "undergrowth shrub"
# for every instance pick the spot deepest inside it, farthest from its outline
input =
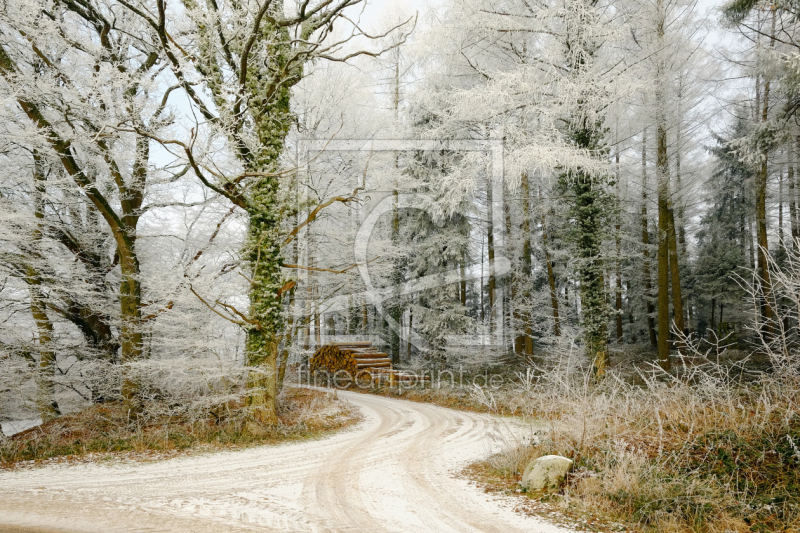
(712, 446)
(697, 450)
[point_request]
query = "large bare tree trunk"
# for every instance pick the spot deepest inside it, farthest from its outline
(45, 394)
(130, 287)
(45, 373)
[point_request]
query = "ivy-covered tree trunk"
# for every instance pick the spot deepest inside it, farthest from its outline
(264, 255)
(269, 102)
(589, 223)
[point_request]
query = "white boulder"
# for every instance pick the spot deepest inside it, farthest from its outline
(545, 472)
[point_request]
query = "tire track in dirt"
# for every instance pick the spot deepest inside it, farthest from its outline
(391, 473)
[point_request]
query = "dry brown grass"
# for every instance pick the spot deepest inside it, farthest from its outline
(702, 453)
(105, 429)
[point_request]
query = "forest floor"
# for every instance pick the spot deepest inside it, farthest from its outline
(104, 432)
(398, 469)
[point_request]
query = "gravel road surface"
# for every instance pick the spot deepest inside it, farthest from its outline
(393, 472)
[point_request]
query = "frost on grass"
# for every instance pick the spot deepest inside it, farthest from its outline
(700, 449)
(106, 430)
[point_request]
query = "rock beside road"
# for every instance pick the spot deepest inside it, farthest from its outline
(545, 473)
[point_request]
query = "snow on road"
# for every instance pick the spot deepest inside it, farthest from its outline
(391, 473)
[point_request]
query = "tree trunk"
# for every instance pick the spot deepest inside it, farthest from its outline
(263, 252)
(618, 262)
(751, 245)
(269, 108)
(761, 229)
(130, 288)
(45, 373)
(490, 249)
(780, 209)
(761, 215)
(463, 283)
(130, 330)
(663, 248)
(713, 316)
(662, 178)
(524, 341)
(287, 339)
(593, 298)
(680, 227)
(648, 287)
(483, 303)
(410, 325)
(551, 278)
(792, 196)
(396, 307)
(674, 268)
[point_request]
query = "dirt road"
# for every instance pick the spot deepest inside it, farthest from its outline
(391, 473)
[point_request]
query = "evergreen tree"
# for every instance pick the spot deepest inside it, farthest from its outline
(724, 237)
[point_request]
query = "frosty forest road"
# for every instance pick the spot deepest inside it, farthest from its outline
(393, 472)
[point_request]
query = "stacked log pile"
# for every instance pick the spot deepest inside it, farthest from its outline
(361, 361)
(332, 358)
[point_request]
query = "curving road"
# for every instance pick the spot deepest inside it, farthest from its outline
(391, 473)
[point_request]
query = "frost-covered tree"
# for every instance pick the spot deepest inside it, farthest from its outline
(245, 58)
(667, 37)
(544, 75)
(72, 75)
(769, 55)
